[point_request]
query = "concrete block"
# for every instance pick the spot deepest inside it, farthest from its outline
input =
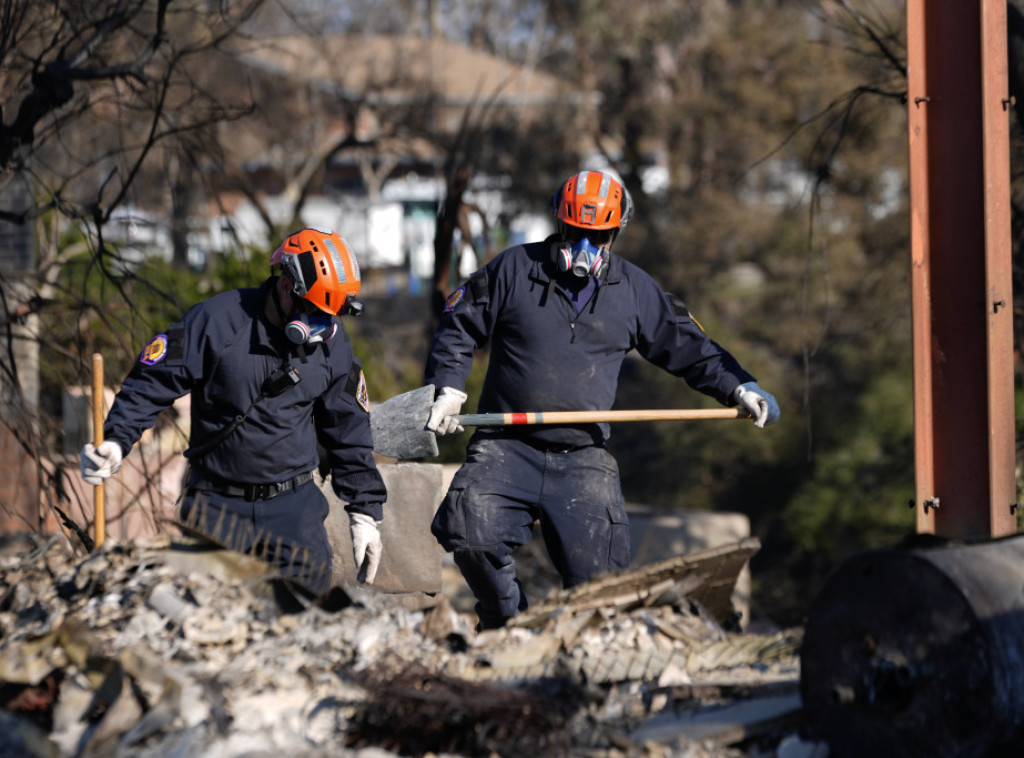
(412, 558)
(655, 535)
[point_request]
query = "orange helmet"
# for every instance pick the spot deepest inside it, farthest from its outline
(592, 200)
(324, 270)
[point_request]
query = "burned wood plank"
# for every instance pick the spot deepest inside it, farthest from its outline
(716, 570)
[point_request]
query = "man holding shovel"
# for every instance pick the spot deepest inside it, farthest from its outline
(560, 315)
(272, 374)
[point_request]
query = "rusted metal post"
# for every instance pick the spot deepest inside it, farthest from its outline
(996, 113)
(958, 137)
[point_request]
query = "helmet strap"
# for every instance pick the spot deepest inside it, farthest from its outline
(301, 348)
(276, 297)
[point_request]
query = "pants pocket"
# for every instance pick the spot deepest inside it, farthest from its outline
(449, 524)
(618, 538)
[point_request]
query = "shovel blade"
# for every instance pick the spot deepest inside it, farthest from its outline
(399, 425)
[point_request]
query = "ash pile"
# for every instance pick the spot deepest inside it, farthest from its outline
(167, 647)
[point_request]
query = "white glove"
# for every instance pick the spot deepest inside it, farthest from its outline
(99, 463)
(448, 403)
(762, 406)
(366, 545)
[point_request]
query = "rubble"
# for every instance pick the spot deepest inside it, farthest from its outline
(165, 647)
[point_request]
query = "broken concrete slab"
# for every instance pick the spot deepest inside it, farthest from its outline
(411, 561)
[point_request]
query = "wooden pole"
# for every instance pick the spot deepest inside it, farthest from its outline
(97, 426)
(591, 417)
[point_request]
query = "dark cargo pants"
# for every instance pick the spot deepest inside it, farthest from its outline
(506, 485)
(287, 531)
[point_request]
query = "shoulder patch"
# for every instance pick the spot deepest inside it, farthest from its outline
(356, 385)
(454, 299)
(155, 350)
(362, 396)
(682, 312)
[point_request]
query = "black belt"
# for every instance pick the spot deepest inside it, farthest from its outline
(544, 446)
(251, 492)
(555, 447)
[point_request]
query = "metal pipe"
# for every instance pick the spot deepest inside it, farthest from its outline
(919, 653)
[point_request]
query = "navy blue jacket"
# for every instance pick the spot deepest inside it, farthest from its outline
(545, 357)
(222, 351)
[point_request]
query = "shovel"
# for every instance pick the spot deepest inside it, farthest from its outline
(399, 424)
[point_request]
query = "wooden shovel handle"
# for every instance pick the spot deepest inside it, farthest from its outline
(590, 417)
(97, 437)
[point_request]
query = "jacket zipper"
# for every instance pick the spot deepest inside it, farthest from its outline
(573, 316)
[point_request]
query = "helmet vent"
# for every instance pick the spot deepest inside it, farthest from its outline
(339, 267)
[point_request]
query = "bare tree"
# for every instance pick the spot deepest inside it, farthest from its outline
(453, 212)
(99, 101)
(132, 104)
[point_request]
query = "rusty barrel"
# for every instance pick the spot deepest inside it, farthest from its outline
(919, 652)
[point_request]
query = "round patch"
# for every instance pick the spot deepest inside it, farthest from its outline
(454, 299)
(155, 350)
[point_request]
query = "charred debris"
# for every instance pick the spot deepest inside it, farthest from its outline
(171, 648)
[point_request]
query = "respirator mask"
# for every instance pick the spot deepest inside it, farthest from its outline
(308, 324)
(584, 252)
